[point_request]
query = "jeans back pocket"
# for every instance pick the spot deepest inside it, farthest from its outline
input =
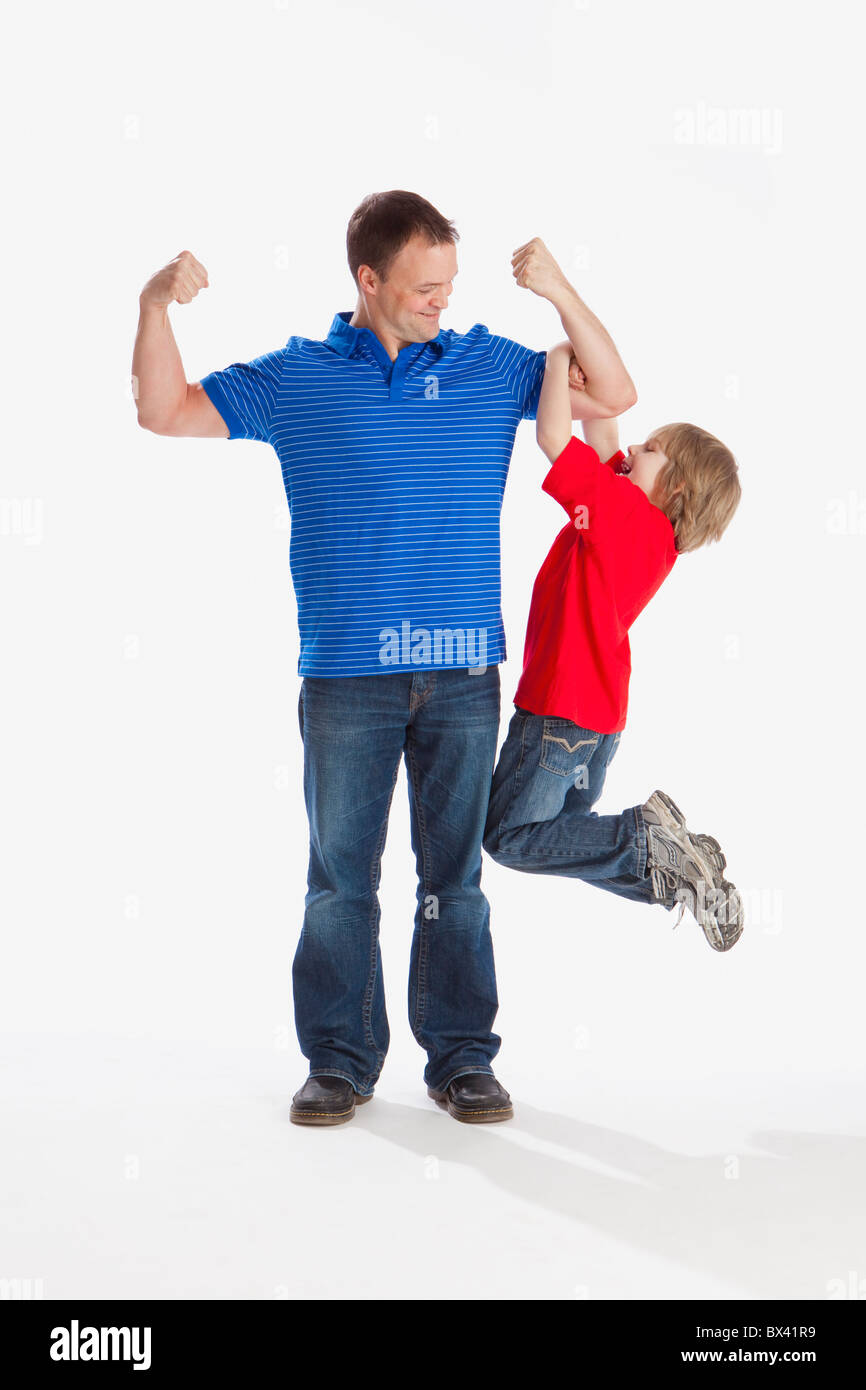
(566, 747)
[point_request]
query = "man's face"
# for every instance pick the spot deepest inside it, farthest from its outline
(416, 292)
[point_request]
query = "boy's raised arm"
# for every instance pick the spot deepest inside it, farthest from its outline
(553, 416)
(603, 436)
(556, 409)
(609, 388)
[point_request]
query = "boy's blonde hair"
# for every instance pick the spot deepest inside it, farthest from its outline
(698, 489)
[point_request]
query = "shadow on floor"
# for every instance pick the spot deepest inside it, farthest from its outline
(784, 1219)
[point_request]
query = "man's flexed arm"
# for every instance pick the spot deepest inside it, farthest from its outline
(608, 386)
(165, 401)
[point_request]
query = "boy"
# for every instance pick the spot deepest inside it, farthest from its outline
(629, 519)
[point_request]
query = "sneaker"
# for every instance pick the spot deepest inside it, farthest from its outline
(689, 869)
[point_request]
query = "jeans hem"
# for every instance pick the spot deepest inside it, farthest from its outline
(466, 1071)
(642, 850)
(323, 1071)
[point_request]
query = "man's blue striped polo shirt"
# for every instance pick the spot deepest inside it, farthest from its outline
(394, 474)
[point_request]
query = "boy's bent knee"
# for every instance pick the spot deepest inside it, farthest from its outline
(490, 843)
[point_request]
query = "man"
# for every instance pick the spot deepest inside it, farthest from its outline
(394, 436)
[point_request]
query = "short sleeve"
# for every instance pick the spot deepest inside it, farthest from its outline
(590, 491)
(523, 369)
(245, 394)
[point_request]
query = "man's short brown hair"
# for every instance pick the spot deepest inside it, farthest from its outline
(381, 225)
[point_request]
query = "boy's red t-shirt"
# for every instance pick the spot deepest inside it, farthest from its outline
(602, 569)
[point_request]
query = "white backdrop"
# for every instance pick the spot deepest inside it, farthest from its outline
(696, 170)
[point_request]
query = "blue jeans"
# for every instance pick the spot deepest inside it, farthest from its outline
(540, 819)
(356, 729)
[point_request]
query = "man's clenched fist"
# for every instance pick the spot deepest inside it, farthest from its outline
(535, 269)
(180, 280)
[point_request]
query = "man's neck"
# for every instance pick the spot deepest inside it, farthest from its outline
(390, 342)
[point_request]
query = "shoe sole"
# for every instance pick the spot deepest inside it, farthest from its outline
(327, 1117)
(471, 1117)
(712, 849)
(724, 934)
(709, 846)
(734, 919)
(733, 908)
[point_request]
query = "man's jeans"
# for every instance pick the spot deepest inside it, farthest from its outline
(540, 820)
(356, 729)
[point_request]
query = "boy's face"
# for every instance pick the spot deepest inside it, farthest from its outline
(643, 464)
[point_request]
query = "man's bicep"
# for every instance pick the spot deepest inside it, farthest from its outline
(198, 417)
(245, 394)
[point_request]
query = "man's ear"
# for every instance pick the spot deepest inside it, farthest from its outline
(367, 279)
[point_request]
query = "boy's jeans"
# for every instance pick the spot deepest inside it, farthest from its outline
(549, 775)
(356, 729)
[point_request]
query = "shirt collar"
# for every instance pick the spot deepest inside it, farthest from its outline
(345, 338)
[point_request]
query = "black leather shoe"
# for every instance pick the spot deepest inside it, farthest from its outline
(325, 1100)
(476, 1098)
